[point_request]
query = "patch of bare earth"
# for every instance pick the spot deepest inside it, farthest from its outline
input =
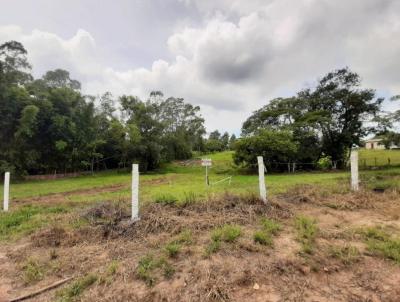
(53, 198)
(239, 271)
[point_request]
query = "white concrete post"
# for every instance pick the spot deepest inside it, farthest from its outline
(354, 170)
(6, 190)
(135, 192)
(261, 180)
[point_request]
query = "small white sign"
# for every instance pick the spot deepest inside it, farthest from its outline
(206, 162)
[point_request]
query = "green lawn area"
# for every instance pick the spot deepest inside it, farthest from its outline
(176, 180)
(379, 157)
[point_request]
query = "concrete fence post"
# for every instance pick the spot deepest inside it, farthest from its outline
(261, 179)
(135, 192)
(6, 191)
(354, 170)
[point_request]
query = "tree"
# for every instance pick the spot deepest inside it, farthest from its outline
(232, 141)
(338, 108)
(14, 66)
(277, 148)
(47, 124)
(328, 119)
(225, 141)
(60, 78)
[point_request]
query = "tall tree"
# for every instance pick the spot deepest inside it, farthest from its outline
(328, 119)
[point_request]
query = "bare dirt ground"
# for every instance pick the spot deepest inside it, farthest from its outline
(130, 262)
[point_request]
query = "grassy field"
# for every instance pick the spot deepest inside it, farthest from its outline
(35, 203)
(372, 158)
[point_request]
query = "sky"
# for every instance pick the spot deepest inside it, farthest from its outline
(230, 57)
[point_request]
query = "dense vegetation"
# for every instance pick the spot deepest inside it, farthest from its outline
(319, 123)
(48, 125)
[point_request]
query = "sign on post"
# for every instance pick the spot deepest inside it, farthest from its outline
(354, 169)
(261, 179)
(6, 191)
(135, 192)
(206, 162)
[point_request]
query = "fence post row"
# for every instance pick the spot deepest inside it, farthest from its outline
(6, 191)
(261, 179)
(135, 192)
(354, 170)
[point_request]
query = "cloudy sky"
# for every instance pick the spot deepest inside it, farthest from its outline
(228, 56)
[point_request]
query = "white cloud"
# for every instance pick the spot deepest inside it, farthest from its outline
(243, 54)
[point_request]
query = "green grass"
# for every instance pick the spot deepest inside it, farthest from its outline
(173, 183)
(185, 237)
(269, 228)
(307, 230)
(166, 199)
(381, 244)
(72, 292)
(346, 254)
(368, 157)
(172, 249)
(226, 233)
(262, 238)
(32, 271)
(28, 218)
(148, 269)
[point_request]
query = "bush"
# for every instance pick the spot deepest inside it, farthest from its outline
(275, 146)
(324, 163)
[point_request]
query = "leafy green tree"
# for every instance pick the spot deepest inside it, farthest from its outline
(328, 119)
(232, 141)
(60, 78)
(14, 66)
(339, 108)
(277, 148)
(225, 141)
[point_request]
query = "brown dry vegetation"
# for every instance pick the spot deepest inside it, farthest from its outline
(166, 256)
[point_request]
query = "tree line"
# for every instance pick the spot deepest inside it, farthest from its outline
(317, 126)
(48, 125)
